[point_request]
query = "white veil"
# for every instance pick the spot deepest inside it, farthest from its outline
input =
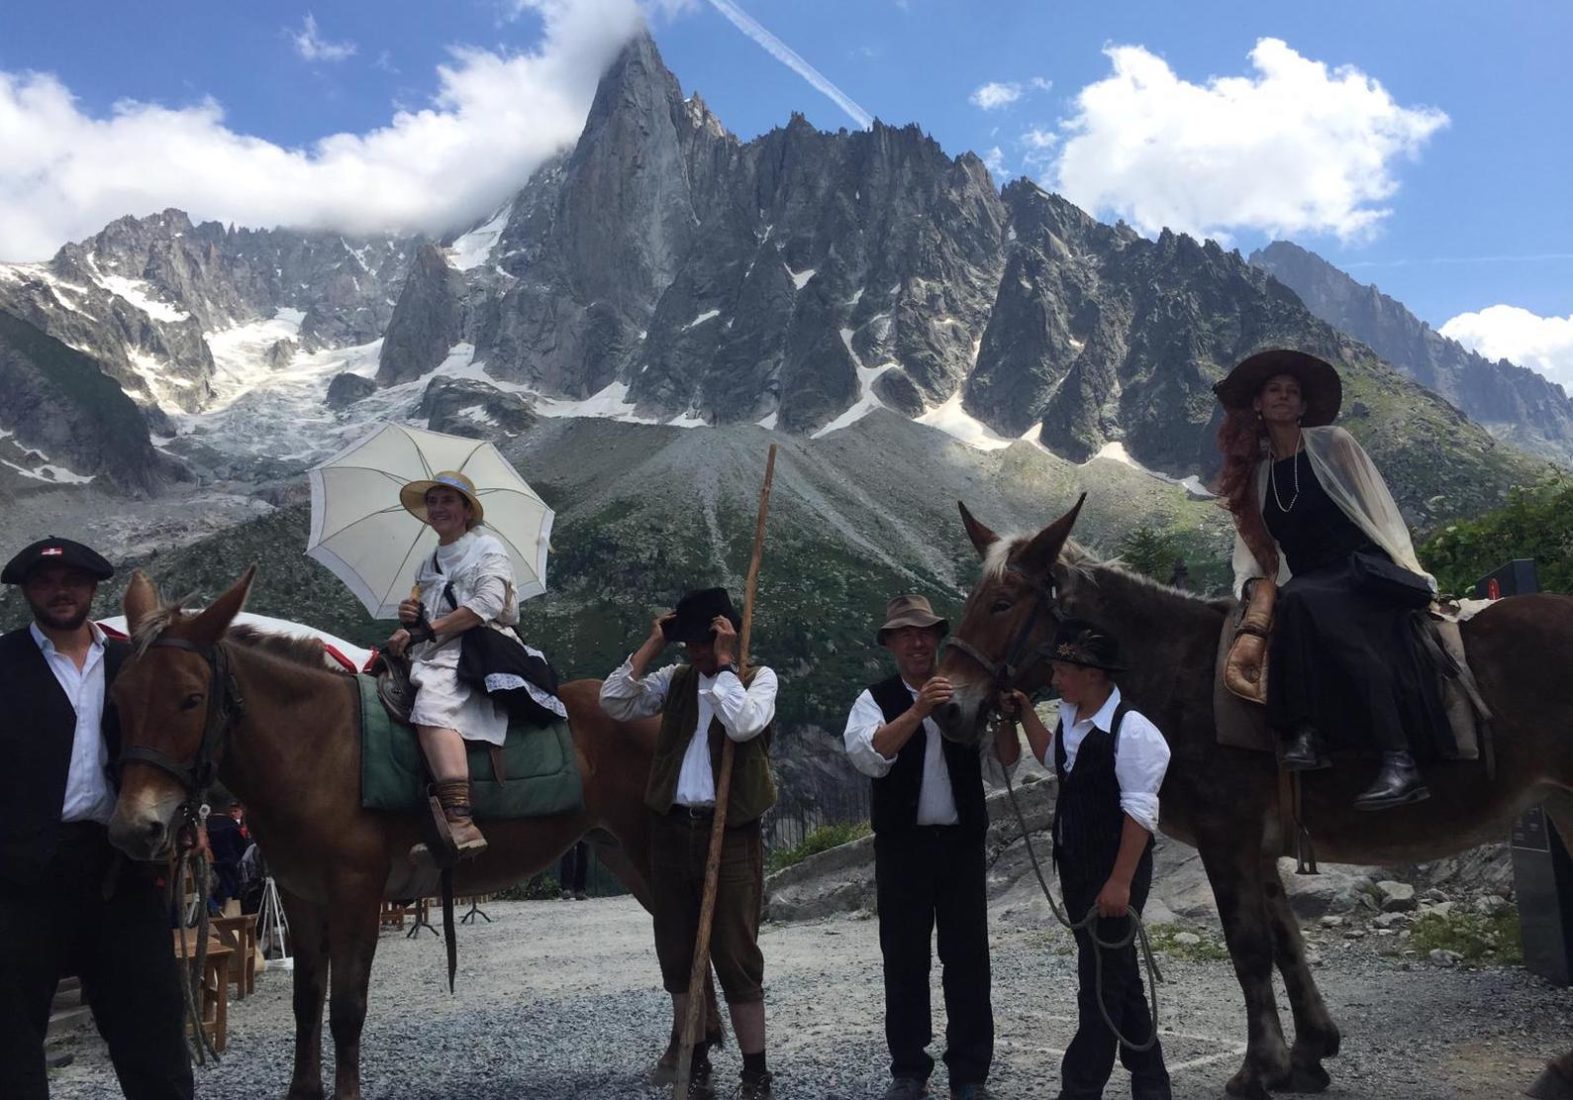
(1352, 481)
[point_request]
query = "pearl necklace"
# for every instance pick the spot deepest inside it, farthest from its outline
(1272, 476)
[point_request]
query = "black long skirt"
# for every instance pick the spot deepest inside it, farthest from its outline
(1349, 664)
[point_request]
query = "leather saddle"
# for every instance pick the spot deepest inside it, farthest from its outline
(1240, 721)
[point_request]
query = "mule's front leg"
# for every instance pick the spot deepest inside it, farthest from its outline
(352, 942)
(1316, 1036)
(308, 933)
(1234, 869)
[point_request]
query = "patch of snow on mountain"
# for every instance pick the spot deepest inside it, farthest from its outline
(43, 470)
(769, 422)
(707, 315)
(138, 294)
(689, 419)
(61, 290)
(472, 249)
(800, 278)
(1115, 452)
(846, 339)
(866, 403)
(958, 423)
(283, 415)
(239, 355)
(611, 403)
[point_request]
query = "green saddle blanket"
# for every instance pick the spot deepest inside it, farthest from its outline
(540, 775)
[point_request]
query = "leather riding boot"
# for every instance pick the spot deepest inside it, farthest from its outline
(454, 794)
(1397, 784)
(1305, 752)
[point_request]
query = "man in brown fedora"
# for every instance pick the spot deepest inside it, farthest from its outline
(929, 822)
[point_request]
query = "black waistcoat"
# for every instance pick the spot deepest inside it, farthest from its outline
(1088, 821)
(37, 728)
(894, 807)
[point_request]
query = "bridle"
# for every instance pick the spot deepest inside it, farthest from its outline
(1019, 658)
(225, 707)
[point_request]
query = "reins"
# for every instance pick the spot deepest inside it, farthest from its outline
(1006, 674)
(225, 707)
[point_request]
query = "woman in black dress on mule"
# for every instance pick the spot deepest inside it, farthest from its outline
(1313, 516)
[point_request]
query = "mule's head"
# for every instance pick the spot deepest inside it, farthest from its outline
(1007, 623)
(163, 696)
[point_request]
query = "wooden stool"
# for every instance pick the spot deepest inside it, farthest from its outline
(239, 933)
(213, 990)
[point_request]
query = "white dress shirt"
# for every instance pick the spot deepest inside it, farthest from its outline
(89, 796)
(1140, 759)
(744, 713)
(936, 799)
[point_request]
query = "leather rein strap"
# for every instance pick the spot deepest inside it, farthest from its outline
(1018, 658)
(225, 707)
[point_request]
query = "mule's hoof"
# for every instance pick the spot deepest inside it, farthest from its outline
(1247, 1085)
(1552, 1084)
(1312, 1078)
(663, 1072)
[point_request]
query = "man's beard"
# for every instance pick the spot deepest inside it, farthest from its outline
(62, 619)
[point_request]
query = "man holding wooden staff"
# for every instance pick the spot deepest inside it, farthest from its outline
(702, 703)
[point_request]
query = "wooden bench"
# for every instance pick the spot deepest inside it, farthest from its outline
(239, 934)
(213, 990)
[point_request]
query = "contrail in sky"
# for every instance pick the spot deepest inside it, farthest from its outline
(792, 60)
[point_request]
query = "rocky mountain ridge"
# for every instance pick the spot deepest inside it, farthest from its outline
(1514, 403)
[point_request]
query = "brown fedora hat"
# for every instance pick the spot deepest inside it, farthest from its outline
(1320, 385)
(904, 611)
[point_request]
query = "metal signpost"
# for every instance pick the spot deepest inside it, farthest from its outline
(1542, 870)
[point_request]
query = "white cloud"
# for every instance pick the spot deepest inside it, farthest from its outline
(65, 173)
(1041, 83)
(1295, 148)
(994, 95)
(994, 161)
(313, 47)
(1541, 343)
(1040, 145)
(792, 60)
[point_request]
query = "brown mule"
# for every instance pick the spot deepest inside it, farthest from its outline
(292, 754)
(1225, 800)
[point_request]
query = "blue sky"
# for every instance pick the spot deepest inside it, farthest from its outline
(1420, 146)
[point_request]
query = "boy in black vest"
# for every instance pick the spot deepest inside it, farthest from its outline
(701, 703)
(69, 904)
(1110, 761)
(929, 822)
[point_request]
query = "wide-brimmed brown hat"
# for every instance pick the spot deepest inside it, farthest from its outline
(1320, 385)
(413, 495)
(906, 611)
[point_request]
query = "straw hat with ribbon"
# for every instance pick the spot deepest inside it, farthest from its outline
(413, 495)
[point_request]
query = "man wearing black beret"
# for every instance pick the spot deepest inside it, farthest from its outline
(701, 703)
(68, 904)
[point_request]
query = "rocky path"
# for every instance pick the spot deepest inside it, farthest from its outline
(561, 1000)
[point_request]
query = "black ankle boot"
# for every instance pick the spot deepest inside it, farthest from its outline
(1397, 784)
(1305, 753)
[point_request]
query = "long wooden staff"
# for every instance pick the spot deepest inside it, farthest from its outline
(723, 787)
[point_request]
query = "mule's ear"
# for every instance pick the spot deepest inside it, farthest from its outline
(1044, 550)
(140, 601)
(208, 627)
(982, 538)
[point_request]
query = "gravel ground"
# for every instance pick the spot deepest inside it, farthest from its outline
(561, 1001)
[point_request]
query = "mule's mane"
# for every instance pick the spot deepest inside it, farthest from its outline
(292, 648)
(295, 649)
(1079, 560)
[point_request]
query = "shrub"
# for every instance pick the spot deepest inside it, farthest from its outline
(821, 839)
(1475, 937)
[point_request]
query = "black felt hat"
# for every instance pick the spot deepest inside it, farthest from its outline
(1078, 642)
(696, 611)
(1320, 386)
(55, 551)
